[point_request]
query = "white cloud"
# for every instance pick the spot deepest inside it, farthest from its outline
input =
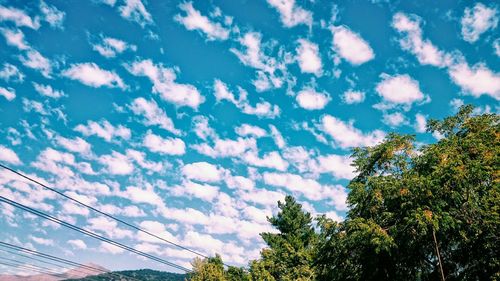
(496, 47)
(109, 47)
(145, 195)
(109, 228)
(170, 146)
(134, 10)
(346, 135)
(399, 90)
(202, 129)
(352, 97)
(227, 147)
(250, 130)
(194, 20)
(18, 17)
(104, 130)
(15, 38)
(271, 160)
(52, 15)
(153, 114)
(262, 109)
(351, 46)
(33, 59)
(395, 119)
(140, 158)
(9, 156)
(205, 192)
(48, 91)
(277, 137)
(42, 241)
(309, 99)
(117, 163)
(163, 80)
(92, 75)
(338, 165)
(77, 244)
(477, 21)
(267, 75)
(111, 249)
(477, 80)
(309, 58)
(290, 13)
(203, 171)
(8, 93)
(412, 41)
(77, 144)
(10, 72)
(420, 123)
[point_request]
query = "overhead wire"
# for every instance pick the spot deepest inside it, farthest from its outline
(60, 260)
(131, 225)
(90, 233)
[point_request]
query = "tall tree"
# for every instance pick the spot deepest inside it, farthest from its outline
(427, 214)
(290, 252)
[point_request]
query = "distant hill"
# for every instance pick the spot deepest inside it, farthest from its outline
(142, 274)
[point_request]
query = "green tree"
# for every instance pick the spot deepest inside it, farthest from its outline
(209, 269)
(427, 214)
(290, 252)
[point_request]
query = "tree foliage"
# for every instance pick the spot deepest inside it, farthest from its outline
(415, 213)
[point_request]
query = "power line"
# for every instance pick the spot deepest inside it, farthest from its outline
(29, 268)
(90, 233)
(131, 225)
(52, 270)
(59, 259)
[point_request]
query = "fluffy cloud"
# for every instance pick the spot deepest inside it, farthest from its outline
(34, 60)
(77, 145)
(52, 15)
(15, 38)
(399, 90)
(134, 10)
(290, 13)
(9, 93)
(163, 80)
(77, 244)
(395, 119)
(412, 40)
(10, 72)
(117, 163)
(9, 156)
(48, 91)
(194, 20)
(477, 21)
(338, 165)
(250, 130)
(269, 68)
(350, 46)
(18, 17)
(271, 160)
(153, 114)
(309, 58)
(311, 100)
(352, 97)
(346, 135)
(169, 146)
(202, 171)
(205, 192)
(92, 75)
(262, 109)
(420, 123)
(109, 47)
(226, 147)
(477, 80)
(104, 130)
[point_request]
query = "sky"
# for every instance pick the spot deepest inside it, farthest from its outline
(192, 119)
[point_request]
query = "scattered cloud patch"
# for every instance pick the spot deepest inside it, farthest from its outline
(104, 130)
(310, 99)
(345, 135)
(169, 146)
(476, 80)
(48, 91)
(110, 47)
(18, 17)
(399, 90)
(309, 58)
(351, 46)
(52, 15)
(8, 93)
(478, 20)
(9, 156)
(353, 97)
(194, 20)
(291, 14)
(153, 114)
(92, 75)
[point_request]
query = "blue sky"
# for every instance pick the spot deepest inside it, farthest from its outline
(191, 119)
